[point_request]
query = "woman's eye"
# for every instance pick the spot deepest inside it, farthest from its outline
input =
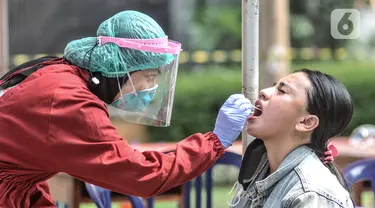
(280, 90)
(153, 76)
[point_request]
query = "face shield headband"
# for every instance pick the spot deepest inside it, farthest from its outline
(156, 45)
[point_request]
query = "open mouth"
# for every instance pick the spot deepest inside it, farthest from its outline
(257, 112)
(258, 108)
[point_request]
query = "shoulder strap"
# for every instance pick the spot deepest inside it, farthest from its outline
(21, 72)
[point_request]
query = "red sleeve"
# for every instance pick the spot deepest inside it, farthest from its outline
(84, 144)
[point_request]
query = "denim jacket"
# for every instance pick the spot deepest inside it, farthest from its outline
(302, 180)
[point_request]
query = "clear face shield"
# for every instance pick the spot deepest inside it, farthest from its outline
(146, 96)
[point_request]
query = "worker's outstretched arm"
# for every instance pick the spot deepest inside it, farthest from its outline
(84, 144)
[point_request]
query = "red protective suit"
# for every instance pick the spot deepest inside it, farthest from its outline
(52, 123)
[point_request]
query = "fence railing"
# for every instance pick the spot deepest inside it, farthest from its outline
(235, 56)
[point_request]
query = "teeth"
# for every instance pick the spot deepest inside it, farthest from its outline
(258, 107)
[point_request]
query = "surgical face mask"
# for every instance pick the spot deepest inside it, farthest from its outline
(135, 101)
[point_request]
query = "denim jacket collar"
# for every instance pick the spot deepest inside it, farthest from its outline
(289, 163)
(295, 177)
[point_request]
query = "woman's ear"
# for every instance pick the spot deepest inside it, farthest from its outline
(307, 123)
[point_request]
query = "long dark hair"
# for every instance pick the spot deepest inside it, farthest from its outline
(329, 100)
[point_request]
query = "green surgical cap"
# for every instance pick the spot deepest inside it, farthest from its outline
(111, 60)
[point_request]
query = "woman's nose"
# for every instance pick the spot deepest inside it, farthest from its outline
(265, 94)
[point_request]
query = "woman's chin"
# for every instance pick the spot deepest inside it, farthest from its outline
(254, 131)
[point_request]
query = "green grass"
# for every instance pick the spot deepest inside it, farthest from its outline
(367, 199)
(220, 198)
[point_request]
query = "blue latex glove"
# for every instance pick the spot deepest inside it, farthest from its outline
(232, 118)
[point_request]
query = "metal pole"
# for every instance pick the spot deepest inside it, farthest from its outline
(4, 35)
(250, 57)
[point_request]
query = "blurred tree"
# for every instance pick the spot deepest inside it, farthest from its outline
(301, 31)
(310, 22)
(216, 26)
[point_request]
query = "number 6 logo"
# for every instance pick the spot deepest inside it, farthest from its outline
(345, 24)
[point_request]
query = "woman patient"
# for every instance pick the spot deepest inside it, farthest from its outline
(290, 164)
